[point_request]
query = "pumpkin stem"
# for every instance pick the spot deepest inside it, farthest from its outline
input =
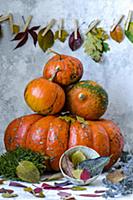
(57, 69)
(52, 51)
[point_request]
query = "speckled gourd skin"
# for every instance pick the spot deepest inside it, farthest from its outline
(69, 68)
(87, 99)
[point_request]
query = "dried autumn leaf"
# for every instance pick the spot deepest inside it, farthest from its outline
(85, 175)
(67, 166)
(116, 176)
(94, 166)
(64, 194)
(77, 157)
(23, 36)
(77, 173)
(27, 171)
(45, 41)
(78, 188)
(129, 32)
(22, 41)
(64, 35)
(8, 195)
(117, 34)
(15, 28)
(95, 45)
(3, 190)
(75, 44)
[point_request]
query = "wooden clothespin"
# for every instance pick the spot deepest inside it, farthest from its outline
(51, 23)
(61, 27)
(28, 21)
(117, 22)
(92, 25)
(4, 18)
(75, 29)
(128, 20)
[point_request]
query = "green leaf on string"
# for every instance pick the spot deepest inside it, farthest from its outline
(64, 35)
(46, 41)
(94, 44)
(129, 32)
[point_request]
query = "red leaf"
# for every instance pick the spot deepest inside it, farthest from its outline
(85, 175)
(51, 187)
(34, 28)
(19, 36)
(75, 43)
(3, 190)
(23, 41)
(34, 36)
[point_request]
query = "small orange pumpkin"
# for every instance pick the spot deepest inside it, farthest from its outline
(63, 69)
(44, 96)
(87, 99)
(52, 135)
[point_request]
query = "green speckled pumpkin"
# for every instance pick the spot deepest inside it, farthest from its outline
(87, 99)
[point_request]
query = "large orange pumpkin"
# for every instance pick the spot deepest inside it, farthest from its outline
(44, 96)
(52, 135)
(63, 69)
(87, 99)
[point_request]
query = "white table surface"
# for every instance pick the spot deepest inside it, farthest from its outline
(52, 194)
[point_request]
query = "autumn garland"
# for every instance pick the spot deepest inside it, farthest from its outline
(94, 42)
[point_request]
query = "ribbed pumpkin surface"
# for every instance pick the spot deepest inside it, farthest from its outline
(87, 99)
(52, 135)
(65, 69)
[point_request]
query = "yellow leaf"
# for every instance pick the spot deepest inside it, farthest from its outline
(117, 34)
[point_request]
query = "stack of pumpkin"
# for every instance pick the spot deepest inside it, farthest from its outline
(68, 114)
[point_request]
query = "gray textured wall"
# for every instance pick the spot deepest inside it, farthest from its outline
(20, 66)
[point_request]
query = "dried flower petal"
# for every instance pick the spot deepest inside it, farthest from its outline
(78, 188)
(3, 190)
(51, 187)
(85, 175)
(64, 194)
(16, 184)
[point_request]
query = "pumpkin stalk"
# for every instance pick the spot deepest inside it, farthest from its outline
(57, 69)
(52, 51)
